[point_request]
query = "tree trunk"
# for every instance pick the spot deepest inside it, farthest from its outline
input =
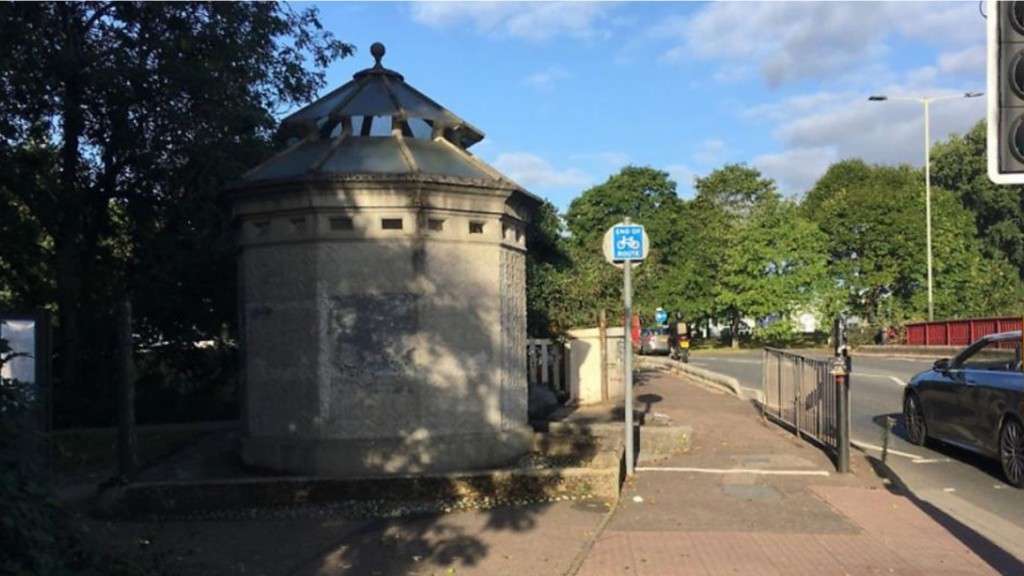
(126, 443)
(70, 224)
(735, 331)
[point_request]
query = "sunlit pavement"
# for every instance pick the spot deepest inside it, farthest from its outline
(965, 486)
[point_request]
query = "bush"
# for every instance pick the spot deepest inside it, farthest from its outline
(780, 333)
(36, 536)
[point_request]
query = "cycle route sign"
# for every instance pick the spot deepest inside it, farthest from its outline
(626, 242)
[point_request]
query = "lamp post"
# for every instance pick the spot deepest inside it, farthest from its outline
(926, 102)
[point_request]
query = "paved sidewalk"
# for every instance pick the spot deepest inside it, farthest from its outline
(691, 514)
(682, 515)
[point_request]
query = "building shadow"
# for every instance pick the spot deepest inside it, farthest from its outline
(1000, 560)
(987, 465)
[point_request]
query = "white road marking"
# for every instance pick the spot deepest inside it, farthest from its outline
(874, 375)
(733, 471)
(949, 489)
(930, 461)
(866, 446)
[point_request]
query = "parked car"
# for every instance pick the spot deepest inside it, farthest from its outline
(974, 400)
(654, 341)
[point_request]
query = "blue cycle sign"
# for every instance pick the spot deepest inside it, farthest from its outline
(625, 246)
(625, 242)
(628, 242)
(660, 316)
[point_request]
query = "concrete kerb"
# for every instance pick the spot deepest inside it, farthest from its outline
(470, 489)
(556, 470)
(902, 351)
(702, 375)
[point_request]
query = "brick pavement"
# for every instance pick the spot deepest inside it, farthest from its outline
(688, 523)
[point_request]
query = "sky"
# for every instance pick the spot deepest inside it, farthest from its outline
(569, 93)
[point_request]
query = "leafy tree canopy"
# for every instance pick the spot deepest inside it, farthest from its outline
(122, 121)
(737, 188)
(959, 164)
(873, 217)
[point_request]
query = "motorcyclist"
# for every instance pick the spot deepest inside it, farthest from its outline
(680, 349)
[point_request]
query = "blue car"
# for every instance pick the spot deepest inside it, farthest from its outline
(973, 400)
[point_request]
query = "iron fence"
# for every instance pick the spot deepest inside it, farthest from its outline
(800, 392)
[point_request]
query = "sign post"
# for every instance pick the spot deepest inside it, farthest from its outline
(625, 245)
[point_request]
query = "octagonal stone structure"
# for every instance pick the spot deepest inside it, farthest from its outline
(382, 291)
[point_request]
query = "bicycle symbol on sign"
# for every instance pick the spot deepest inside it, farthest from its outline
(627, 243)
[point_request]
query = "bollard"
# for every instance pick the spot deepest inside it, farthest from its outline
(842, 415)
(886, 431)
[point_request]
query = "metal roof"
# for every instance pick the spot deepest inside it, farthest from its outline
(378, 125)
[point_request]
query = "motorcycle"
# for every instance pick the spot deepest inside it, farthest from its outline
(680, 349)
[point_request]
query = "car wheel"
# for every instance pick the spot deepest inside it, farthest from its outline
(1011, 452)
(913, 419)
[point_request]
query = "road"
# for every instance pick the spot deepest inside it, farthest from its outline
(968, 488)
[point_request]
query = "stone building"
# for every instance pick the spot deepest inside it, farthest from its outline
(382, 287)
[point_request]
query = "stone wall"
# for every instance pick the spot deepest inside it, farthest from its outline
(384, 351)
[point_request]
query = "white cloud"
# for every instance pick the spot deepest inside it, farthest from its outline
(532, 171)
(970, 60)
(885, 132)
(527, 20)
(709, 152)
(797, 169)
(817, 129)
(792, 41)
(545, 80)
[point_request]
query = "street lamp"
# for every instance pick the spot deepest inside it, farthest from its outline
(926, 101)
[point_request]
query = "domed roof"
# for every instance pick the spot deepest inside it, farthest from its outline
(378, 127)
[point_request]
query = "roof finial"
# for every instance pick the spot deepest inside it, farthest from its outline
(377, 50)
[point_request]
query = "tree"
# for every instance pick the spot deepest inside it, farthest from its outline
(776, 266)
(736, 188)
(646, 195)
(959, 165)
(719, 215)
(690, 277)
(873, 217)
(546, 262)
(145, 111)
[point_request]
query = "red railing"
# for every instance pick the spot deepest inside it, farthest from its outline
(958, 332)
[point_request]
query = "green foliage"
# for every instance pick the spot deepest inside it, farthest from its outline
(781, 332)
(960, 165)
(736, 188)
(546, 263)
(647, 196)
(873, 217)
(774, 266)
(122, 124)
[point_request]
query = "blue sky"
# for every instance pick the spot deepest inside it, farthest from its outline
(568, 93)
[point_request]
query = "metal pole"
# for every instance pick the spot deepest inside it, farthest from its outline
(627, 355)
(928, 204)
(797, 393)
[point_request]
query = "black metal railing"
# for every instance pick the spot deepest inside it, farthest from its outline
(800, 392)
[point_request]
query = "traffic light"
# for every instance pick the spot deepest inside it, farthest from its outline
(1006, 92)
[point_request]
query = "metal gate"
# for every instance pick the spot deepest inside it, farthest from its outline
(800, 392)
